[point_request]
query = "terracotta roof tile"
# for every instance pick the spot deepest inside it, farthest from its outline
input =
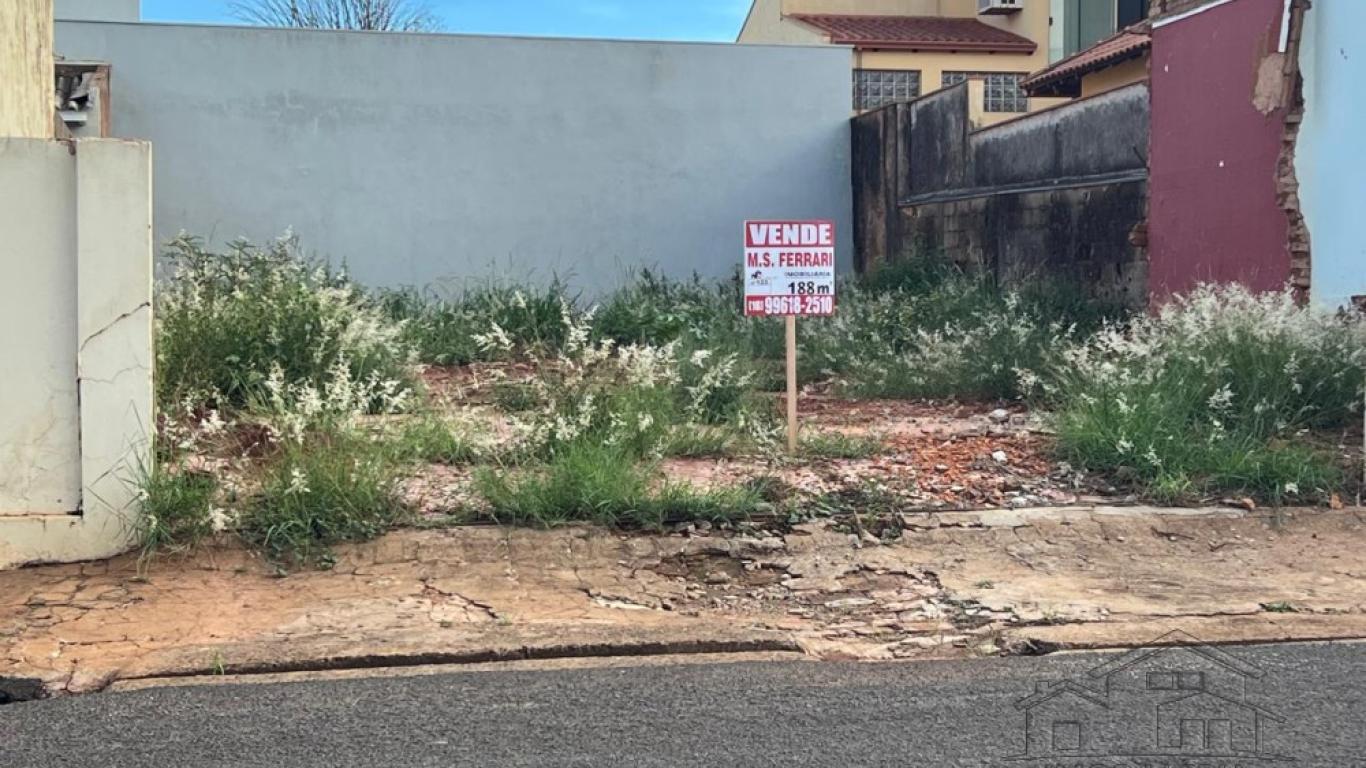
(924, 33)
(1127, 43)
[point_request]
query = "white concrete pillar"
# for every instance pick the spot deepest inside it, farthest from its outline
(76, 405)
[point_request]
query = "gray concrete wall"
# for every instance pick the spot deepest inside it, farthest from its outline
(98, 10)
(426, 159)
(1077, 235)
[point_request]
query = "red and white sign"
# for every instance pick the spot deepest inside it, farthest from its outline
(789, 268)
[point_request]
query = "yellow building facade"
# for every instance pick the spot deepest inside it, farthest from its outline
(903, 49)
(26, 72)
(1111, 78)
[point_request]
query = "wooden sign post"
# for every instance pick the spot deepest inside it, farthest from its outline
(792, 384)
(790, 273)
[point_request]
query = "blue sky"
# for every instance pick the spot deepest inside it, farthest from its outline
(646, 19)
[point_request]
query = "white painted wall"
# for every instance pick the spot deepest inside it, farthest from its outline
(1329, 158)
(76, 337)
(438, 159)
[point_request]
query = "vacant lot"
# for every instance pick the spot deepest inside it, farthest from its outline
(299, 410)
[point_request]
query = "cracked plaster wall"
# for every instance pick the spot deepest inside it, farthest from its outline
(76, 336)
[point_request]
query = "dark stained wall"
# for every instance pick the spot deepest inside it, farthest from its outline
(934, 135)
(1079, 235)
(1215, 216)
(874, 137)
(1038, 196)
(1087, 139)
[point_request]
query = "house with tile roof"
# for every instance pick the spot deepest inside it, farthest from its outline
(904, 49)
(1112, 63)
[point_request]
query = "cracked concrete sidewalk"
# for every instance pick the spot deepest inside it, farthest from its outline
(937, 585)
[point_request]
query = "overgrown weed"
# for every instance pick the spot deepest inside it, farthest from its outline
(482, 324)
(177, 511)
(230, 323)
(925, 329)
(337, 488)
(837, 445)
(605, 485)
(1216, 393)
(430, 439)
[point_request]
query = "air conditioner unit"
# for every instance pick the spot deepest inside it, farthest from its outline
(986, 7)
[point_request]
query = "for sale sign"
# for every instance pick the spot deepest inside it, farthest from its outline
(789, 268)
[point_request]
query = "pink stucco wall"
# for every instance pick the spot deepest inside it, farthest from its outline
(1213, 214)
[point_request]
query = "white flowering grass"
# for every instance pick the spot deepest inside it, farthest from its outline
(605, 414)
(291, 410)
(260, 341)
(486, 323)
(918, 329)
(942, 335)
(636, 397)
(266, 323)
(432, 439)
(1219, 392)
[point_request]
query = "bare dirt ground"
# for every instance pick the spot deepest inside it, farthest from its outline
(937, 456)
(934, 455)
(911, 586)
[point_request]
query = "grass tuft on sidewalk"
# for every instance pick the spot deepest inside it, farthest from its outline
(318, 495)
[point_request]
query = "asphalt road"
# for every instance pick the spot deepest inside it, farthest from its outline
(762, 714)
